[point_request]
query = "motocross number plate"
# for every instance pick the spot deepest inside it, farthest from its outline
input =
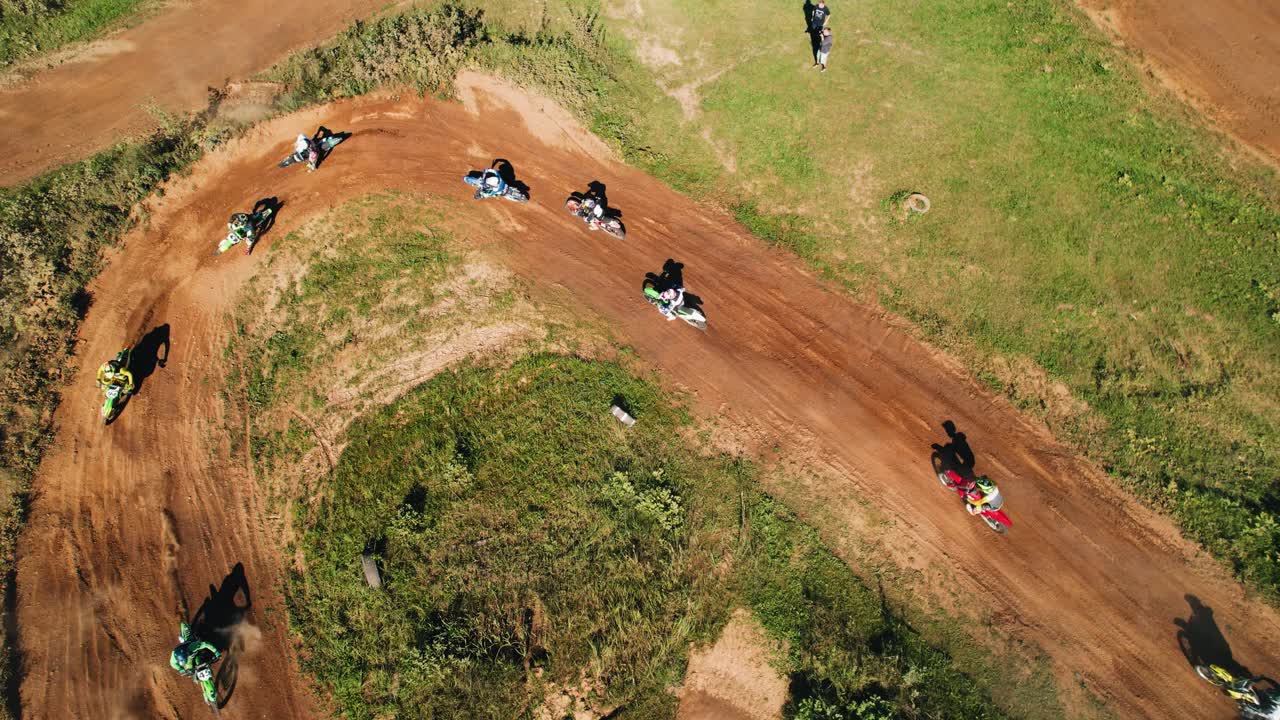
(204, 674)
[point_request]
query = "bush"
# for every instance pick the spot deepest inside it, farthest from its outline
(421, 48)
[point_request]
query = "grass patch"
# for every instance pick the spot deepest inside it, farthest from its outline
(33, 27)
(527, 542)
(1083, 231)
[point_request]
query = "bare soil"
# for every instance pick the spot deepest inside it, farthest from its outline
(131, 523)
(1222, 55)
(98, 93)
(735, 679)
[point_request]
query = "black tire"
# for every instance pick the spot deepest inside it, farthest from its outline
(1208, 676)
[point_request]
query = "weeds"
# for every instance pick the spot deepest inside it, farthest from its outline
(52, 232)
(420, 48)
(524, 540)
(31, 27)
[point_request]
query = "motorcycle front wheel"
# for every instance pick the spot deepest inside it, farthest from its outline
(996, 525)
(1209, 676)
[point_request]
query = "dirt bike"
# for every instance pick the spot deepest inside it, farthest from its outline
(1252, 703)
(256, 221)
(693, 316)
(208, 687)
(993, 516)
(607, 223)
(115, 392)
(312, 153)
(508, 191)
(203, 673)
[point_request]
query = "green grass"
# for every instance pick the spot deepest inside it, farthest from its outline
(1084, 232)
(526, 539)
(515, 521)
(33, 27)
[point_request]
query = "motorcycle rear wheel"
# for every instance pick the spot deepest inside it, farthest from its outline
(614, 228)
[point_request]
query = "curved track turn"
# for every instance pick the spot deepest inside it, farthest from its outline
(131, 523)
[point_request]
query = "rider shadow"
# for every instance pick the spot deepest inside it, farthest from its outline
(601, 193)
(672, 276)
(275, 205)
(955, 455)
(151, 352)
(814, 41)
(507, 172)
(323, 133)
(1202, 642)
(217, 621)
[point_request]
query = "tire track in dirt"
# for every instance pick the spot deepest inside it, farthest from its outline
(1086, 573)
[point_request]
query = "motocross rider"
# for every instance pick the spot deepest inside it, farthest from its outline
(186, 657)
(114, 372)
(673, 299)
(982, 495)
(592, 211)
(491, 184)
(304, 148)
(242, 225)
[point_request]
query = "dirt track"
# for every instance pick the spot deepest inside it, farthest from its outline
(1223, 56)
(132, 522)
(70, 111)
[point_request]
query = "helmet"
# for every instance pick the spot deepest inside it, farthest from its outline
(668, 294)
(985, 485)
(182, 654)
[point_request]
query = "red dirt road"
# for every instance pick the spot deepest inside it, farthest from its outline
(1221, 55)
(132, 522)
(68, 112)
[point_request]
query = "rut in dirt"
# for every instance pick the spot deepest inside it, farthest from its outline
(132, 524)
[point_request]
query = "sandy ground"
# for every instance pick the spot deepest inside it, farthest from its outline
(99, 94)
(734, 678)
(1223, 56)
(132, 523)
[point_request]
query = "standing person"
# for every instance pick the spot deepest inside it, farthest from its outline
(818, 17)
(824, 49)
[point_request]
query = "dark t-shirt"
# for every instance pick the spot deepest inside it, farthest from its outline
(819, 17)
(825, 46)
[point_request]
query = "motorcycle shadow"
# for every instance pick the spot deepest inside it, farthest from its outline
(324, 133)
(507, 172)
(219, 620)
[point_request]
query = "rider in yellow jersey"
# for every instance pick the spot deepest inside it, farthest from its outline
(116, 372)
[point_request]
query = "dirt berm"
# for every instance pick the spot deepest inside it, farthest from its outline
(134, 521)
